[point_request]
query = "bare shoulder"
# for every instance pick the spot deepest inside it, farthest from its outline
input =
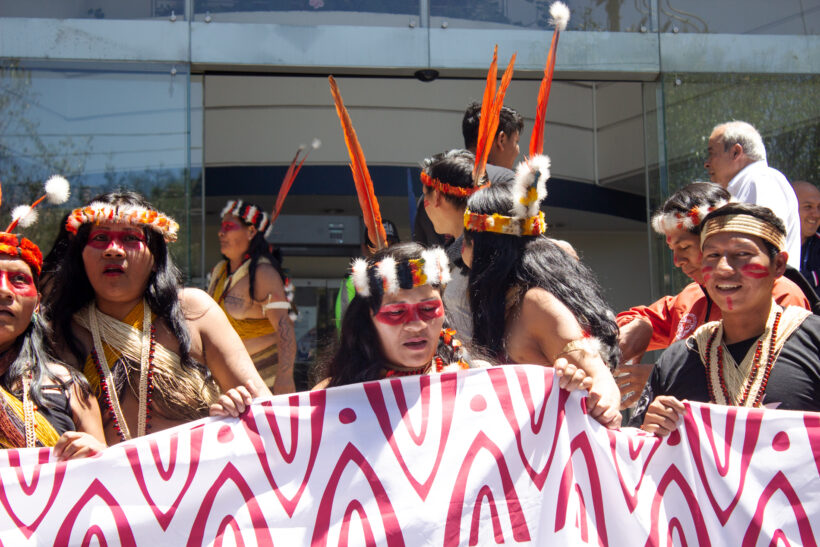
(321, 385)
(60, 371)
(267, 278)
(195, 303)
(539, 302)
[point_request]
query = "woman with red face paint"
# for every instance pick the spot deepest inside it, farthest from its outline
(759, 354)
(42, 403)
(394, 326)
(156, 355)
(251, 288)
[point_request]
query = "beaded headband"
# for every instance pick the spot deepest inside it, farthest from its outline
(22, 248)
(664, 223)
(97, 212)
(743, 224)
(528, 190)
(389, 275)
(249, 213)
(449, 189)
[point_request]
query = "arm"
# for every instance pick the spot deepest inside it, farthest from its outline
(553, 326)
(660, 320)
(222, 350)
(275, 307)
(88, 438)
(787, 293)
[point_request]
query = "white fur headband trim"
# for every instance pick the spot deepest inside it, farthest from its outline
(663, 223)
(386, 270)
(360, 279)
(527, 191)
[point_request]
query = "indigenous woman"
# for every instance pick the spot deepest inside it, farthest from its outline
(141, 340)
(41, 401)
(250, 287)
(394, 326)
(531, 301)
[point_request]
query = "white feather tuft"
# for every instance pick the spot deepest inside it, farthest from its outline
(316, 143)
(360, 279)
(387, 271)
(230, 207)
(525, 178)
(24, 215)
(57, 189)
(559, 15)
(443, 265)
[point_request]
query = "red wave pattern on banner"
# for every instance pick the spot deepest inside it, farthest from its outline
(471, 458)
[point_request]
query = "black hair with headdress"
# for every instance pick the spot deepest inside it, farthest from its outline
(511, 255)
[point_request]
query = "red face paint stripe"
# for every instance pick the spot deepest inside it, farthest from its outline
(19, 283)
(397, 314)
(755, 271)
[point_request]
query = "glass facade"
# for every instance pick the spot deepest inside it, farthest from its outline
(103, 128)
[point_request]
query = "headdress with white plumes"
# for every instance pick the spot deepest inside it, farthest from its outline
(663, 223)
(56, 192)
(249, 214)
(389, 275)
(20, 247)
(528, 191)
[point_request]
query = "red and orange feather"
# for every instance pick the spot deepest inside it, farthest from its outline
(490, 112)
(361, 176)
(287, 182)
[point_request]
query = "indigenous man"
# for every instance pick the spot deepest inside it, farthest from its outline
(250, 287)
(759, 354)
(673, 318)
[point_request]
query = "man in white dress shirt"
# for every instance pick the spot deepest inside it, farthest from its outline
(737, 161)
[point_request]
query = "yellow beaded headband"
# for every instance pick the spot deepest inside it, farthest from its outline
(389, 275)
(743, 224)
(528, 190)
(97, 212)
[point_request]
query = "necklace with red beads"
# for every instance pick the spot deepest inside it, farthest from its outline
(146, 385)
(749, 393)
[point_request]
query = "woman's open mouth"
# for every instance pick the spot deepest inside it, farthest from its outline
(416, 344)
(113, 270)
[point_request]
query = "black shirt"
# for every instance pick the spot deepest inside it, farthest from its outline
(794, 383)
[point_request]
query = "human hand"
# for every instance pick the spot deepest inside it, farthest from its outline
(662, 415)
(73, 445)
(234, 401)
(604, 400)
(631, 380)
(570, 376)
(634, 338)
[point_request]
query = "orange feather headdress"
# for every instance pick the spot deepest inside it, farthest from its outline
(290, 176)
(361, 176)
(559, 17)
(490, 110)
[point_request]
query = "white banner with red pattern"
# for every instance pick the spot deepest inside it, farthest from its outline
(479, 457)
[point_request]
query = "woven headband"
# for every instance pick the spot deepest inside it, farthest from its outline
(22, 248)
(249, 213)
(449, 189)
(663, 223)
(500, 224)
(390, 275)
(743, 224)
(97, 212)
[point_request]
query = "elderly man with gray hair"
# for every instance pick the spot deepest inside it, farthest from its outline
(737, 161)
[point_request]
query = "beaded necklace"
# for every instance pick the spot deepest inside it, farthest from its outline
(28, 412)
(109, 391)
(757, 378)
(447, 338)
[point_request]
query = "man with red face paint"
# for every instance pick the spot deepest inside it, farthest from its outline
(673, 318)
(759, 354)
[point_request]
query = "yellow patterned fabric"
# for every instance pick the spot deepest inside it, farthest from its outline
(180, 393)
(45, 432)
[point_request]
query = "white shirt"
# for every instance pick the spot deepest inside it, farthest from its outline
(759, 184)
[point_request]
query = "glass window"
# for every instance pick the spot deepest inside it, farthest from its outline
(740, 16)
(311, 12)
(103, 129)
(97, 9)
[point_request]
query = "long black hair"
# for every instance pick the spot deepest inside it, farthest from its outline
(72, 290)
(501, 262)
(359, 357)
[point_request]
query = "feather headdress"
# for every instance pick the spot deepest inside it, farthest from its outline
(490, 110)
(290, 176)
(559, 17)
(528, 191)
(56, 191)
(361, 176)
(389, 275)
